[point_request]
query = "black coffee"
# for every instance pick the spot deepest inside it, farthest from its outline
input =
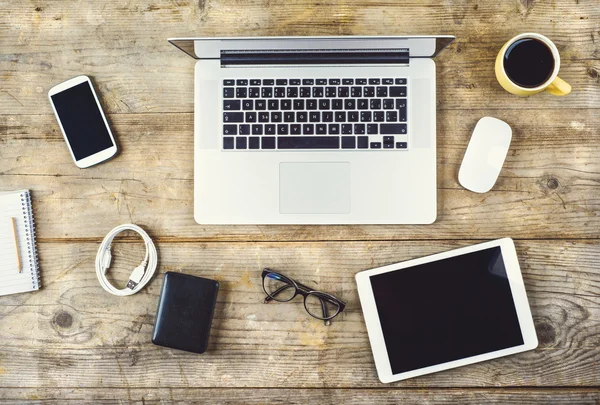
(528, 62)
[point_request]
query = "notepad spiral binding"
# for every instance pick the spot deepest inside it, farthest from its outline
(30, 235)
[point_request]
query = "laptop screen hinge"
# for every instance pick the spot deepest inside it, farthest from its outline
(315, 57)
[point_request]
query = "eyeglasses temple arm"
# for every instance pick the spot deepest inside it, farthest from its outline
(325, 312)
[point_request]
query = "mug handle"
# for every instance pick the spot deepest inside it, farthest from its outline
(559, 87)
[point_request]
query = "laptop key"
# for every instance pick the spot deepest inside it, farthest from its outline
(286, 104)
(233, 117)
(276, 116)
(266, 92)
(308, 142)
(228, 92)
(268, 82)
(294, 82)
(314, 116)
(334, 81)
(362, 141)
(372, 129)
(228, 142)
(361, 81)
(334, 129)
(295, 129)
(282, 129)
(311, 104)
(263, 117)
(317, 92)
(231, 105)
(250, 117)
(348, 142)
(298, 104)
(248, 105)
(330, 92)
(244, 129)
(254, 143)
(327, 116)
(241, 82)
(304, 92)
(348, 81)
(281, 82)
(375, 104)
(270, 129)
(388, 139)
(257, 129)
(268, 142)
(398, 91)
(321, 129)
(400, 81)
(401, 145)
(352, 116)
(388, 104)
(350, 104)
(308, 82)
(391, 116)
(359, 129)
(301, 116)
(365, 116)
(230, 129)
(241, 92)
(255, 82)
(273, 104)
(321, 82)
(374, 81)
(254, 92)
(337, 104)
(387, 81)
(356, 91)
(228, 82)
(260, 105)
(240, 142)
(363, 104)
(369, 91)
(392, 129)
(378, 116)
(375, 145)
(346, 129)
(340, 116)
(324, 104)
(292, 92)
(343, 91)
(308, 129)
(382, 91)
(289, 116)
(402, 110)
(388, 146)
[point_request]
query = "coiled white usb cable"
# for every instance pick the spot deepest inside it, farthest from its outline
(140, 275)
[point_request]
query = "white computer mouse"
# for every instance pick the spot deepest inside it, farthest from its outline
(485, 155)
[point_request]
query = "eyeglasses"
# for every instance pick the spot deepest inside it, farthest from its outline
(318, 304)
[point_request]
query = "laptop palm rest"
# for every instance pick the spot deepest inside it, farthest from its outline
(314, 188)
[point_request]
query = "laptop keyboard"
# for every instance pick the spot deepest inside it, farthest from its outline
(342, 113)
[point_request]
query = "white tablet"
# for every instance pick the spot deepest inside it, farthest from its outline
(447, 310)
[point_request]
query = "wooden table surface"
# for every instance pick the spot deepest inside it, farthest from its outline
(71, 342)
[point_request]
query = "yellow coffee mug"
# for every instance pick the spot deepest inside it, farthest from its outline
(554, 84)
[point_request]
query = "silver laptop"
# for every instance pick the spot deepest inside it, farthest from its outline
(314, 130)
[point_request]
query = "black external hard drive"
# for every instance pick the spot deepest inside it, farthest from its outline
(185, 312)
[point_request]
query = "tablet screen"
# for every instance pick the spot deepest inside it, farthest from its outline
(446, 310)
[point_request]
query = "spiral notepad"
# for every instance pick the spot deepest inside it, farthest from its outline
(18, 251)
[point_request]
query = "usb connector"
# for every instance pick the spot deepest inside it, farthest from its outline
(136, 275)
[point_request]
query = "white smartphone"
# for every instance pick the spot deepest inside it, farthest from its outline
(82, 121)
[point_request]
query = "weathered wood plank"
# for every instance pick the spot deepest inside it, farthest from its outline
(136, 70)
(73, 334)
(547, 189)
(251, 396)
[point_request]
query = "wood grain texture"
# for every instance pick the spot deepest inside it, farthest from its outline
(73, 343)
(548, 187)
(255, 396)
(136, 70)
(73, 334)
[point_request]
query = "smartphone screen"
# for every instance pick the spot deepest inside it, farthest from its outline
(82, 120)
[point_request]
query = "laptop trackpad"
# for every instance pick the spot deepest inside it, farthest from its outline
(314, 188)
